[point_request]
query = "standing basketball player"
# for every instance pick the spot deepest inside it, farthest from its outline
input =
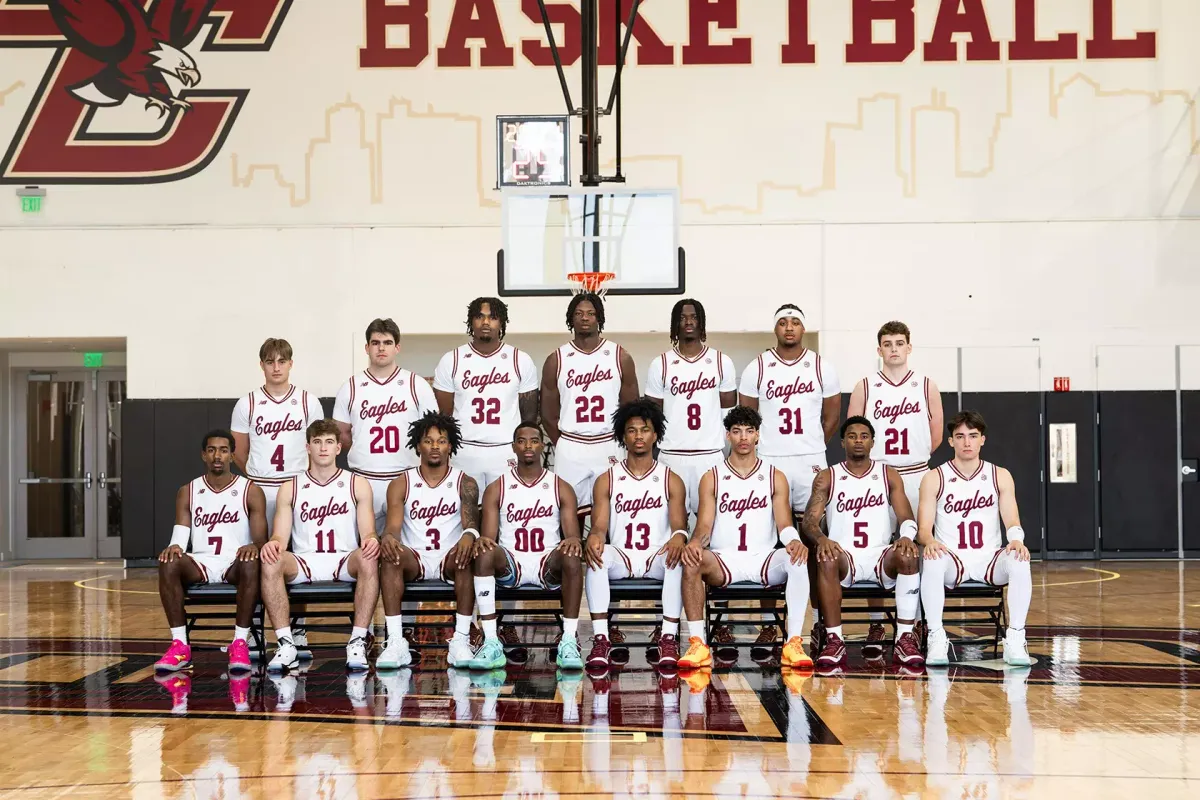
(693, 384)
(583, 382)
(530, 537)
(330, 512)
(963, 503)
(220, 515)
(641, 504)
(858, 499)
(489, 387)
(374, 409)
(432, 525)
(744, 512)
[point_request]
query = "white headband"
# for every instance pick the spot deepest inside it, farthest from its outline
(782, 313)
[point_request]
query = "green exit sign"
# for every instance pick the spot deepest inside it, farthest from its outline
(31, 205)
(93, 360)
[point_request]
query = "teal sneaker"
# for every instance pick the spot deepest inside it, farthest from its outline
(569, 656)
(489, 682)
(490, 655)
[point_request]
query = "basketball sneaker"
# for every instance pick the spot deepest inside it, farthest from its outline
(1016, 653)
(490, 655)
(515, 651)
(816, 638)
(239, 656)
(764, 646)
(668, 652)
(834, 652)
(239, 693)
(179, 687)
(459, 653)
(285, 656)
(177, 657)
(300, 640)
(569, 656)
(794, 679)
(601, 655)
(937, 653)
(285, 689)
(873, 646)
(356, 655)
(619, 653)
(356, 689)
(395, 684)
(395, 654)
(698, 655)
(793, 654)
(907, 651)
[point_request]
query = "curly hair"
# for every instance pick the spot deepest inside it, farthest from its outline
(442, 422)
(743, 415)
(497, 307)
(597, 304)
(866, 423)
(644, 409)
(677, 318)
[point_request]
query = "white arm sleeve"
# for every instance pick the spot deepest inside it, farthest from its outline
(728, 375)
(241, 416)
(341, 405)
(443, 376)
(529, 374)
(654, 378)
(750, 376)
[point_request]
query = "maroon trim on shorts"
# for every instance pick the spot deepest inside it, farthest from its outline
(724, 569)
(989, 574)
(303, 567)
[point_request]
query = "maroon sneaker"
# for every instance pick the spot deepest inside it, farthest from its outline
(600, 657)
(513, 647)
(668, 652)
(620, 653)
(816, 638)
(766, 643)
(876, 636)
(834, 652)
(907, 652)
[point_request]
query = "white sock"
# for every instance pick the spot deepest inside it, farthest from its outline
(358, 633)
(696, 631)
(595, 584)
(462, 626)
(395, 630)
(1020, 592)
(600, 627)
(903, 628)
(933, 589)
(283, 633)
(796, 595)
(241, 633)
(672, 596)
(570, 626)
(670, 628)
(489, 628)
(908, 596)
(835, 631)
(485, 595)
(179, 633)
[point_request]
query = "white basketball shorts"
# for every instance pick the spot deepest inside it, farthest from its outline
(690, 467)
(318, 567)
(580, 463)
(620, 563)
(866, 565)
(526, 569)
(765, 569)
(483, 463)
(213, 567)
(987, 566)
(433, 566)
(800, 472)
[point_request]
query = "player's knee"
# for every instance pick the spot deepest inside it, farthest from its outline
(169, 569)
(907, 564)
(367, 566)
(484, 564)
(692, 573)
(248, 572)
(828, 570)
(573, 566)
(272, 570)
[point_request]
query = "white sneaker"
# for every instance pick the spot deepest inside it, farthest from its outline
(1015, 652)
(938, 650)
(356, 689)
(395, 654)
(285, 688)
(285, 656)
(356, 654)
(300, 639)
(460, 653)
(396, 685)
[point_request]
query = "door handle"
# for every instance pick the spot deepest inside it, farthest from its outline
(87, 482)
(105, 481)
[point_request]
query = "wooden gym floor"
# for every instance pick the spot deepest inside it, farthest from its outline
(1111, 709)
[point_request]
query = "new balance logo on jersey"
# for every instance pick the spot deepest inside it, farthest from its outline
(210, 521)
(741, 505)
(526, 515)
(273, 429)
(633, 506)
(583, 381)
(429, 513)
(965, 507)
(377, 413)
(481, 382)
(318, 515)
(890, 413)
(689, 388)
(784, 393)
(857, 504)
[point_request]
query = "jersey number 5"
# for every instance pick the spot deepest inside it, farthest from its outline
(860, 534)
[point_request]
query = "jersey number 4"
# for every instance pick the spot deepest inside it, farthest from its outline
(277, 458)
(487, 410)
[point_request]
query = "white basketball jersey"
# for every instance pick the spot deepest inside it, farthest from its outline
(486, 391)
(691, 395)
(432, 515)
(529, 513)
(276, 429)
(968, 510)
(589, 390)
(790, 396)
(324, 516)
(900, 414)
(745, 519)
(639, 512)
(379, 413)
(220, 518)
(859, 512)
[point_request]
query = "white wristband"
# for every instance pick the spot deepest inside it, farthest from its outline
(908, 529)
(180, 535)
(1016, 534)
(789, 535)
(687, 537)
(471, 531)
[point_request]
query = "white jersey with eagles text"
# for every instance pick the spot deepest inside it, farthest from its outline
(690, 389)
(859, 512)
(968, 512)
(220, 517)
(790, 395)
(432, 515)
(900, 413)
(639, 513)
(324, 515)
(486, 389)
(276, 429)
(529, 521)
(745, 518)
(589, 390)
(379, 413)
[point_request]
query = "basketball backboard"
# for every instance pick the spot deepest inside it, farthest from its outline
(549, 233)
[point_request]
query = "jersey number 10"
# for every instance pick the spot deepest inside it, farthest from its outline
(970, 535)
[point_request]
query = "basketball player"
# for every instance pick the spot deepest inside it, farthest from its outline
(331, 512)
(530, 537)
(221, 516)
(489, 387)
(744, 512)
(375, 407)
(693, 384)
(641, 504)
(963, 503)
(583, 382)
(858, 498)
(432, 525)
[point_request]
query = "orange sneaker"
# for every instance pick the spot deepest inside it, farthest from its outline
(794, 655)
(794, 679)
(697, 655)
(697, 681)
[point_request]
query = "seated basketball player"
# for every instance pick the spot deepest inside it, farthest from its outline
(220, 523)
(744, 512)
(857, 498)
(327, 511)
(640, 505)
(432, 525)
(963, 503)
(530, 537)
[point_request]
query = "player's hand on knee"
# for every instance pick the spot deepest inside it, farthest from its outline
(1018, 549)
(797, 552)
(675, 549)
(693, 554)
(270, 552)
(906, 548)
(247, 552)
(827, 550)
(934, 550)
(482, 545)
(571, 548)
(463, 552)
(172, 553)
(390, 549)
(593, 554)
(369, 548)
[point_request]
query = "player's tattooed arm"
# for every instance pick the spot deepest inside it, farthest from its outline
(528, 403)
(810, 525)
(550, 401)
(468, 499)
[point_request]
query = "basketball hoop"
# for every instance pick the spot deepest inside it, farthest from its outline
(590, 282)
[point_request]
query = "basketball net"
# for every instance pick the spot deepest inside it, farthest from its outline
(590, 282)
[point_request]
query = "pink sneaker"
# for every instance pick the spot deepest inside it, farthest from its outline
(177, 657)
(239, 655)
